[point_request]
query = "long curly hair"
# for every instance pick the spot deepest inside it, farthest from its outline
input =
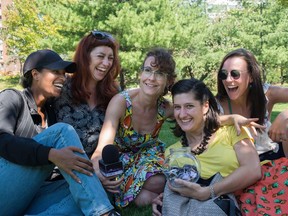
(202, 94)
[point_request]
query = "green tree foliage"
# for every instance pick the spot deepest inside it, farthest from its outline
(260, 27)
(198, 43)
(26, 29)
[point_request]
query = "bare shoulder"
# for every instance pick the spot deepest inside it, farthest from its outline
(118, 98)
(133, 92)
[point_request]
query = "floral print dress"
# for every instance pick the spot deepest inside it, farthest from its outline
(142, 155)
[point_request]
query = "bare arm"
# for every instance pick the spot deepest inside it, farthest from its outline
(276, 94)
(114, 112)
(279, 128)
(249, 166)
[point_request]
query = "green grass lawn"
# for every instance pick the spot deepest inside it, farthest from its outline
(165, 135)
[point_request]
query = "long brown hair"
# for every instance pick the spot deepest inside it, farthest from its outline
(107, 87)
(256, 94)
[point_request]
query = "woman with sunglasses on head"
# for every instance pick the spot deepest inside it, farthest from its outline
(240, 91)
(132, 122)
(218, 149)
(32, 144)
(86, 94)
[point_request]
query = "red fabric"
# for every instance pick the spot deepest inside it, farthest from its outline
(268, 196)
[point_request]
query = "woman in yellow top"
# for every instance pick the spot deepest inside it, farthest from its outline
(217, 149)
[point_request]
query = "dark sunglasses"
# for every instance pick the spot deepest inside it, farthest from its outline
(99, 35)
(223, 74)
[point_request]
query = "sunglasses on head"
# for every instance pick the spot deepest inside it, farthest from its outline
(99, 35)
(223, 74)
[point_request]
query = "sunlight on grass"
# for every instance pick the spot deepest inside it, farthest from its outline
(165, 135)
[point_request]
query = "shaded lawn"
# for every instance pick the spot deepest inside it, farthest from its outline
(165, 135)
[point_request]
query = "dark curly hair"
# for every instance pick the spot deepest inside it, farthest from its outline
(201, 93)
(166, 64)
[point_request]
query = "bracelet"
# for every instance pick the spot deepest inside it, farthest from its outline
(212, 192)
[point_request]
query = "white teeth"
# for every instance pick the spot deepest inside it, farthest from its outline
(185, 121)
(102, 70)
(150, 85)
(58, 85)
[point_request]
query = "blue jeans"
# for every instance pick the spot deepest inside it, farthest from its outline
(23, 189)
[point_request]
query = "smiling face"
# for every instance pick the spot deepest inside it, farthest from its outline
(236, 89)
(48, 83)
(152, 83)
(101, 61)
(189, 113)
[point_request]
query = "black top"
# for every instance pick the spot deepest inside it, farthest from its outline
(19, 122)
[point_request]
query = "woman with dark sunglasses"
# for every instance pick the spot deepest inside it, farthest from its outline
(240, 91)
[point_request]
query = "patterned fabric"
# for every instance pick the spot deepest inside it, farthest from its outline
(86, 122)
(142, 155)
(268, 196)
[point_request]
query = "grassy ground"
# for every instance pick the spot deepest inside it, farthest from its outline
(165, 135)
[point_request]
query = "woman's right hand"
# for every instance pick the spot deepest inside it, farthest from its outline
(157, 205)
(111, 184)
(68, 161)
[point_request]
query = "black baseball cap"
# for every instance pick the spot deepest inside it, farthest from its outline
(47, 59)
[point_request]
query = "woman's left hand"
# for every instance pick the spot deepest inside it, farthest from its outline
(190, 189)
(240, 121)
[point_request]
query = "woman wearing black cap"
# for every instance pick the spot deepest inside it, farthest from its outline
(30, 148)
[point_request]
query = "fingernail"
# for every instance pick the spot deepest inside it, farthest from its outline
(79, 182)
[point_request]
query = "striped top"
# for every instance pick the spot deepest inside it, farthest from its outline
(20, 121)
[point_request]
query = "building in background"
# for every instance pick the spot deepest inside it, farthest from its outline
(7, 63)
(216, 8)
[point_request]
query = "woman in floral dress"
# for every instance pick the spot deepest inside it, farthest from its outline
(132, 122)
